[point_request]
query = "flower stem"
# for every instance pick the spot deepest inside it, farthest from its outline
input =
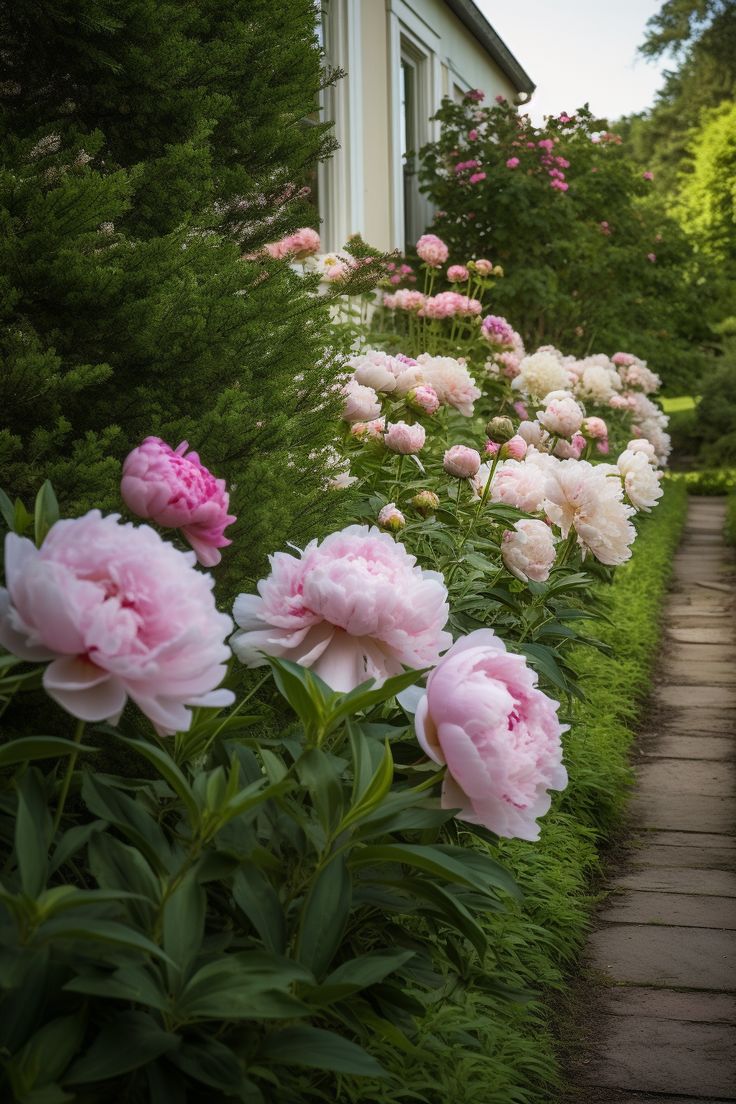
(78, 733)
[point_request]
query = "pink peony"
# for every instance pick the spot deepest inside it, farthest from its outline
(515, 447)
(585, 498)
(174, 489)
(354, 607)
(361, 403)
(473, 135)
(647, 176)
(528, 550)
(520, 484)
(512, 163)
(485, 718)
(423, 399)
(571, 450)
(302, 243)
(595, 428)
(389, 517)
(483, 267)
(120, 613)
(562, 415)
(651, 257)
(368, 431)
(452, 382)
(461, 461)
(477, 177)
(623, 360)
(457, 274)
(404, 438)
(432, 250)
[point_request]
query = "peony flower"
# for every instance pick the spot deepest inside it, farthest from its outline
(361, 403)
(452, 382)
(353, 607)
(121, 614)
(512, 163)
(562, 415)
(541, 373)
(476, 177)
(571, 450)
(368, 431)
(485, 718)
(641, 480)
(375, 369)
(298, 245)
(389, 517)
(404, 438)
(482, 266)
(423, 399)
(461, 461)
(500, 429)
(425, 502)
(174, 489)
(585, 498)
(640, 444)
(432, 250)
(528, 550)
(515, 448)
(519, 483)
(595, 428)
(457, 274)
(599, 380)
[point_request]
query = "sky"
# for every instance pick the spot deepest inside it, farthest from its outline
(580, 50)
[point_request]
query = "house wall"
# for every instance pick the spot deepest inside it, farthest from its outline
(364, 181)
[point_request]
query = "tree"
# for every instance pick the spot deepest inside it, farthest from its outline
(146, 146)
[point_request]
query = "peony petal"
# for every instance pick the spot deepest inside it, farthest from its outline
(84, 690)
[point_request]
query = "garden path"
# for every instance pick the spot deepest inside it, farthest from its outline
(663, 1020)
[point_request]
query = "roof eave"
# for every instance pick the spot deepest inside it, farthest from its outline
(481, 29)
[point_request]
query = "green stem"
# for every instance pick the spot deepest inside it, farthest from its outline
(72, 761)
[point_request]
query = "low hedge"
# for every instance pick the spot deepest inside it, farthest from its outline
(476, 1046)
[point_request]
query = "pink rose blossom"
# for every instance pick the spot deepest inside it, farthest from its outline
(500, 99)
(475, 95)
(353, 607)
(173, 488)
(528, 550)
(461, 461)
(513, 163)
(499, 735)
(432, 250)
(404, 438)
(120, 613)
(457, 274)
(389, 517)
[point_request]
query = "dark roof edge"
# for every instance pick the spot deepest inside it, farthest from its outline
(481, 29)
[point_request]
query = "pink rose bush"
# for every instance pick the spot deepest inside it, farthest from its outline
(484, 717)
(174, 489)
(119, 613)
(352, 607)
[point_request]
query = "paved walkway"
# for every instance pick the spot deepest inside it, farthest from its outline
(665, 947)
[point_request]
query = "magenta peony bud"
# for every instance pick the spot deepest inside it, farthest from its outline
(175, 490)
(461, 461)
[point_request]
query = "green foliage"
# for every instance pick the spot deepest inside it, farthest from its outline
(145, 147)
(601, 265)
(730, 527)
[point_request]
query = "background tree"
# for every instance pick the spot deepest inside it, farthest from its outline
(146, 147)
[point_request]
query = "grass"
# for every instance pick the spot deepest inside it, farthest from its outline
(677, 404)
(476, 1046)
(729, 530)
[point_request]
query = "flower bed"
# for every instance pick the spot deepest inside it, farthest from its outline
(275, 888)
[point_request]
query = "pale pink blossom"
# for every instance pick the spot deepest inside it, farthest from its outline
(361, 403)
(174, 489)
(482, 266)
(298, 245)
(410, 380)
(121, 614)
(390, 517)
(595, 428)
(461, 461)
(541, 373)
(404, 438)
(512, 163)
(641, 480)
(498, 734)
(432, 250)
(509, 363)
(375, 369)
(457, 274)
(533, 434)
(368, 431)
(640, 444)
(452, 382)
(562, 415)
(571, 450)
(528, 550)
(424, 399)
(519, 483)
(585, 498)
(353, 607)
(515, 447)
(404, 299)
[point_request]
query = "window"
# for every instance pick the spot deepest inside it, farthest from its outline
(414, 133)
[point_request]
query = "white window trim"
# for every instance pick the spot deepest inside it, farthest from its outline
(404, 23)
(341, 177)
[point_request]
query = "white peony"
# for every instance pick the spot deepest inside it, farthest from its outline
(541, 373)
(562, 415)
(452, 382)
(361, 403)
(587, 499)
(528, 550)
(641, 480)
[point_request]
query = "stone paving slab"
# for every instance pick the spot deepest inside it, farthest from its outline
(686, 776)
(665, 1056)
(688, 839)
(701, 672)
(691, 812)
(682, 910)
(706, 695)
(645, 1098)
(666, 746)
(705, 882)
(682, 958)
(691, 719)
(720, 635)
(683, 857)
(675, 1004)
